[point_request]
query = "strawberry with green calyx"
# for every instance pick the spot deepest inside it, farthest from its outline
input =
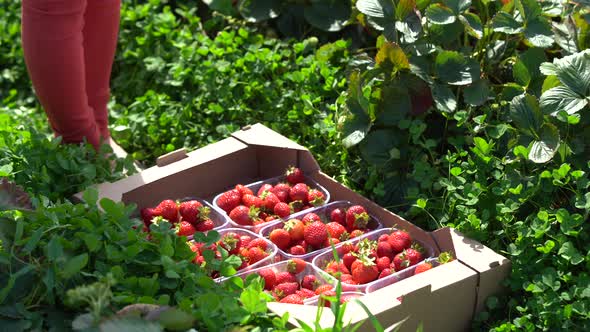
(296, 206)
(229, 200)
(299, 192)
(406, 258)
(169, 210)
(285, 289)
(295, 228)
(269, 200)
(366, 247)
(190, 211)
(231, 242)
(255, 255)
(185, 228)
(310, 282)
(356, 233)
(310, 217)
(263, 188)
(294, 175)
(364, 270)
(148, 214)
(357, 217)
(296, 265)
(316, 197)
(445, 257)
(251, 200)
(315, 234)
(337, 231)
(282, 210)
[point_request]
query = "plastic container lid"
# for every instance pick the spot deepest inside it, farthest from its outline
(324, 213)
(323, 258)
(273, 181)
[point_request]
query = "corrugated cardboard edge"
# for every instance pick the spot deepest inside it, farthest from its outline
(492, 268)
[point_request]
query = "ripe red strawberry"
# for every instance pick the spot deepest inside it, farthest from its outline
(294, 175)
(297, 250)
(384, 249)
(310, 282)
(364, 271)
(399, 240)
(406, 258)
(251, 200)
(231, 242)
(280, 237)
(315, 234)
(185, 228)
(305, 293)
(285, 277)
(293, 299)
(229, 200)
(346, 248)
(255, 255)
(269, 218)
(199, 260)
(383, 263)
(269, 277)
(316, 197)
(384, 273)
(323, 288)
(258, 243)
(310, 217)
(383, 238)
(243, 190)
(299, 192)
(245, 240)
(189, 210)
(295, 228)
(205, 225)
(169, 210)
(336, 230)
(422, 268)
(269, 200)
(282, 209)
(356, 217)
(147, 214)
(241, 215)
(330, 241)
(285, 289)
(263, 188)
(338, 215)
(348, 259)
(296, 265)
(347, 279)
(282, 191)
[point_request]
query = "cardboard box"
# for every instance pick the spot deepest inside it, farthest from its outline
(445, 298)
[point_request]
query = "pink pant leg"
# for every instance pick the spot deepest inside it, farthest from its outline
(100, 42)
(53, 47)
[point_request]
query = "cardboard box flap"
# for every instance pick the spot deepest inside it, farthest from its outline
(258, 134)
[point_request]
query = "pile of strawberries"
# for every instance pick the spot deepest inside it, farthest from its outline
(293, 285)
(369, 260)
(271, 201)
(249, 249)
(188, 217)
(299, 237)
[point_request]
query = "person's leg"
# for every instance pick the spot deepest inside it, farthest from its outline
(100, 41)
(54, 55)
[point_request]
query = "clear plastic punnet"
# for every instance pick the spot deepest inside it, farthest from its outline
(272, 181)
(324, 213)
(271, 249)
(348, 295)
(282, 267)
(398, 276)
(321, 260)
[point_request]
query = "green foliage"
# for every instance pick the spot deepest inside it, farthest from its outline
(492, 139)
(291, 16)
